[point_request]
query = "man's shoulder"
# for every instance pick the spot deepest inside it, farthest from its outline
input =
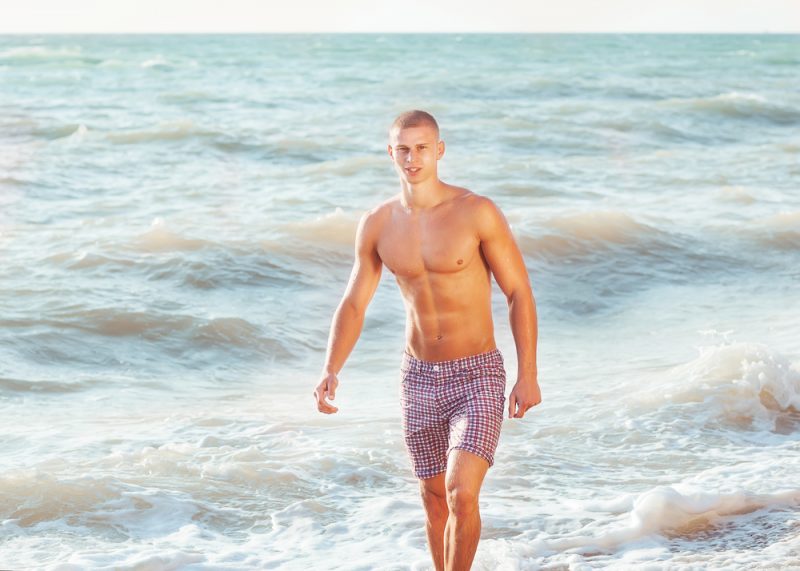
(476, 204)
(482, 212)
(380, 211)
(374, 219)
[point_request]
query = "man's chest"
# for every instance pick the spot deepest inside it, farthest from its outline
(411, 248)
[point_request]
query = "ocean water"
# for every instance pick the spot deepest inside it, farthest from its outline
(176, 224)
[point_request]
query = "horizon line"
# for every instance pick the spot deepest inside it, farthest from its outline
(395, 32)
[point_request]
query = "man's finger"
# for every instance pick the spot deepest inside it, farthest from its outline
(326, 408)
(319, 398)
(322, 404)
(511, 401)
(331, 390)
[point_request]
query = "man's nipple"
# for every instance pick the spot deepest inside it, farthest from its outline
(459, 262)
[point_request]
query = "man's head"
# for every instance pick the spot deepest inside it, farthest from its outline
(414, 146)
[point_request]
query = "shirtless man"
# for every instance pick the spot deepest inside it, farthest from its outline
(443, 243)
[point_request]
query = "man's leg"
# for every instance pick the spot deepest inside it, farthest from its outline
(463, 480)
(434, 498)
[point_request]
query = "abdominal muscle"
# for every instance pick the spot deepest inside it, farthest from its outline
(448, 316)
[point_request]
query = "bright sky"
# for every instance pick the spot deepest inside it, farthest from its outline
(123, 16)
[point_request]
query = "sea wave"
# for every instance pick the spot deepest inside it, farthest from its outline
(55, 131)
(577, 235)
(47, 498)
(605, 226)
(173, 332)
(295, 152)
(736, 194)
(46, 386)
(527, 190)
(168, 131)
(106, 506)
(781, 231)
(304, 152)
(153, 325)
(738, 105)
(588, 258)
(158, 61)
(659, 128)
(349, 166)
(160, 238)
(337, 229)
(34, 53)
(194, 262)
(743, 385)
(681, 510)
(84, 259)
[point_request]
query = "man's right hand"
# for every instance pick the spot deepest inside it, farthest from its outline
(326, 388)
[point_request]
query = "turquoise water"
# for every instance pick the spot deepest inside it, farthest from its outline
(176, 225)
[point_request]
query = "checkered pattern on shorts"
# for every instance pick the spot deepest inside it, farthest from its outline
(451, 404)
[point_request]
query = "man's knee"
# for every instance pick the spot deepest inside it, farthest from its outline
(462, 500)
(465, 473)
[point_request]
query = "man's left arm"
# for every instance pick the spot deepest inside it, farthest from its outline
(506, 263)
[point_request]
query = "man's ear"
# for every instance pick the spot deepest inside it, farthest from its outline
(389, 150)
(441, 150)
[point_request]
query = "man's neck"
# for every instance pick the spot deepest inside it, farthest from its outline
(424, 195)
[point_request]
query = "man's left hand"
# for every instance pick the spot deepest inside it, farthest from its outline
(524, 395)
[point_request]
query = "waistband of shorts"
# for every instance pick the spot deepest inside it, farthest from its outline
(411, 363)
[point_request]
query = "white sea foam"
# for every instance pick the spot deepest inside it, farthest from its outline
(158, 61)
(740, 383)
(735, 384)
(639, 527)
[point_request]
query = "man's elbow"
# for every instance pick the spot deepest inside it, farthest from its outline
(352, 308)
(520, 294)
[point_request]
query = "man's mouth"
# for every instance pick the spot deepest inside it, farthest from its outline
(413, 170)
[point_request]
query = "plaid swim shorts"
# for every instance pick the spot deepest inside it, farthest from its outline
(451, 404)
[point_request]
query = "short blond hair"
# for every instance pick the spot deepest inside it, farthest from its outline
(413, 118)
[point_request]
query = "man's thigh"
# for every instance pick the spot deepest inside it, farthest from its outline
(465, 471)
(433, 486)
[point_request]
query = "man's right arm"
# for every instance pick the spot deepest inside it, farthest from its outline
(348, 319)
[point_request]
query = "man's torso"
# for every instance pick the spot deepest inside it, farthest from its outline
(443, 276)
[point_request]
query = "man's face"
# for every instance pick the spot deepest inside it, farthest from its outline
(415, 152)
